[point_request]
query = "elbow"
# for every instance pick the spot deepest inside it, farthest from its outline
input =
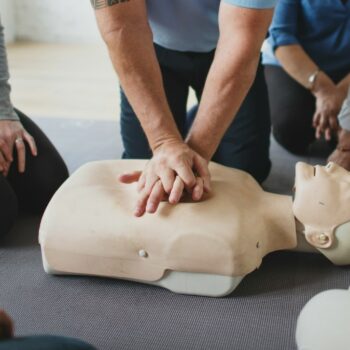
(122, 31)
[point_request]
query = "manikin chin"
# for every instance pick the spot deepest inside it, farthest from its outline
(203, 248)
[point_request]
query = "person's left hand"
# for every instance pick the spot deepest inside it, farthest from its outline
(328, 106)
(6, 326)
(341, 155)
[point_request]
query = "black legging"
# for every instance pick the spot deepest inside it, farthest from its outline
(292, 108)
(31, 191)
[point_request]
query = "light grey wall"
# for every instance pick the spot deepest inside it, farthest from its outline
(66, 21)
(8, 19)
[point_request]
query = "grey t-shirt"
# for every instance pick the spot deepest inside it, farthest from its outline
(7, 111)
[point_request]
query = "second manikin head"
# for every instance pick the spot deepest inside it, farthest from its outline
(322, 206)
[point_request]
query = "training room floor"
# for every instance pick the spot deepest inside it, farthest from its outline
(115, 314)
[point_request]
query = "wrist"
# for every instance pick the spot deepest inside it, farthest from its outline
(201, 149)
(323, 84)
(166, 141)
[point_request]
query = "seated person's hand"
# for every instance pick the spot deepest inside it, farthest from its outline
(6, 326)
(341, 154)
(12, 134)
(173, 169)
(329, 101)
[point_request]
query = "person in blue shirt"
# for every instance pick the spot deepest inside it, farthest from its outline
(161, 48)
(307, 68)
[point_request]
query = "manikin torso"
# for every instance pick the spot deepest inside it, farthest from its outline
(89, 227)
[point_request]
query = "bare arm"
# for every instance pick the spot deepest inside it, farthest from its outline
(232, 73)
(125, 29)
(329, 97)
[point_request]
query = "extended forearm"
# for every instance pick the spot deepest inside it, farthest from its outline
(228, 82)
(242, 32)
(133, 56)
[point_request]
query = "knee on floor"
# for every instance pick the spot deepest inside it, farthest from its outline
(290, 137)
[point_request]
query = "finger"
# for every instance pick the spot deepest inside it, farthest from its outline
(150, 181)
(141, 183)
(167, 177)
(328, 134)
(155, 198)
(316, 120)
(177, 190)
(186, 174)
(129, 178)
(323, 122)
(144, 195)
(2, 163)
(31, 142)
(7, 169)
(318, 132)
(6, 151)
(21, 154)
(201, 167)
(141, 203)
(198, 190)
(333, 122)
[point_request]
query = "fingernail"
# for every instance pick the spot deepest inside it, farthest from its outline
(150, 208)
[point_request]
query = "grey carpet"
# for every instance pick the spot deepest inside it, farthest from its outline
(113, 314)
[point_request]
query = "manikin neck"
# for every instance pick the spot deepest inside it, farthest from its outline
(279, 221)
(279, 212)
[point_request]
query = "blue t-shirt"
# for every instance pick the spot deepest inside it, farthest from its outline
(191, 25)
(321, 27)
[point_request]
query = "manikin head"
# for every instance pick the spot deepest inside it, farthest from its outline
(322, 205)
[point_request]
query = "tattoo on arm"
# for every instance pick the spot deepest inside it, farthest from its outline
(99, 4)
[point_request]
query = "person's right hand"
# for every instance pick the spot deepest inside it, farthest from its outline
(329, 100)
(174, 168)
(6, 326)
(13, 134)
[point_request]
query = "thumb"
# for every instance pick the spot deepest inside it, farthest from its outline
(129, 178)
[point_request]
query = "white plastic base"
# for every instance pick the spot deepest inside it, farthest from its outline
(324, 322)
(184, 282)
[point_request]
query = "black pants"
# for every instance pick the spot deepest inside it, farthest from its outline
(292, 108)
(32, 190)
(245, 145)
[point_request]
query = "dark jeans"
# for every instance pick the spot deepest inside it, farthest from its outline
(292, 109)
(245, 144)
(44, 343)
(32, 190)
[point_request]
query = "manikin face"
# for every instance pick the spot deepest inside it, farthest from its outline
(322, 205)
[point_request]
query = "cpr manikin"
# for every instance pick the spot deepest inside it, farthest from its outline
(203, 248)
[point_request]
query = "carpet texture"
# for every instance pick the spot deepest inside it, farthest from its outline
(113, 314)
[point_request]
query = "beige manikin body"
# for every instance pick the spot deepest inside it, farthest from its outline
(203, 248)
